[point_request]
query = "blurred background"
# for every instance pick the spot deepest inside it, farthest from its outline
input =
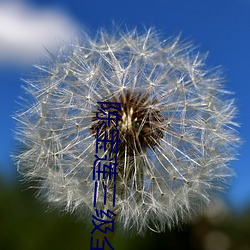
(29, 28)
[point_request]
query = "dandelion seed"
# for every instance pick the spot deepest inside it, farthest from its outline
(176, 129)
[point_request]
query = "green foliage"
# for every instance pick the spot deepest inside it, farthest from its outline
(25, 226)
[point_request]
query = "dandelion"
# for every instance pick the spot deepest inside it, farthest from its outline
(176, 129)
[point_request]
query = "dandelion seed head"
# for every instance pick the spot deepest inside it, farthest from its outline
(176, 127)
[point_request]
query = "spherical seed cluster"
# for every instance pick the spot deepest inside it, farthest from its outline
(176, 129)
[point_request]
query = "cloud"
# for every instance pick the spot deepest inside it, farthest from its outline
(25, 31)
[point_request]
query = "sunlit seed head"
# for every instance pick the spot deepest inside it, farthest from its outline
(176, 128)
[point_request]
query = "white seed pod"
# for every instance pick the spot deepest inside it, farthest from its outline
(176, 129)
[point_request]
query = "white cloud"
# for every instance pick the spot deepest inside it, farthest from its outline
(25, 31)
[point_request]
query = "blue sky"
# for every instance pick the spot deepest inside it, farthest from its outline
(221, 27)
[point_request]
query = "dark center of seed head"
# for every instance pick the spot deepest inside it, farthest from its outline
(141, 124)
